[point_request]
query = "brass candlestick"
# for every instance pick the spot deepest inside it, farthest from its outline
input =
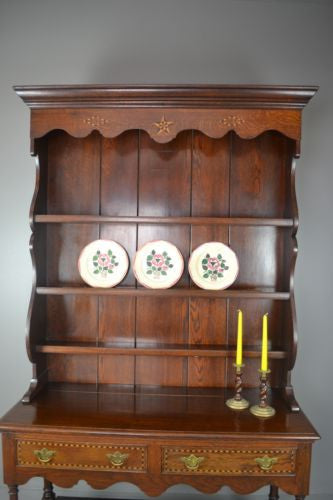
(263, 409)
(237, 402)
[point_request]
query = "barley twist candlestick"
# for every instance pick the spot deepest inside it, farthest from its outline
(237, 402)
(263, 409)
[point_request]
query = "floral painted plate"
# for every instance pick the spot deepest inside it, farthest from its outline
(158, 264)
(103, 263)
(213, 266)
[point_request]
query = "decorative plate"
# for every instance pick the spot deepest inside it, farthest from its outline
(213, 266)
(158, 264)
(103, 263)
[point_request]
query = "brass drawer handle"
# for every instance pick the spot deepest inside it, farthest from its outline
(265, 462)
(117, 459)
(192, 462)
(44, 455)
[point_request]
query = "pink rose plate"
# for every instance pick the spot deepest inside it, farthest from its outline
(158, 264)
(213, 266)
(103, 263)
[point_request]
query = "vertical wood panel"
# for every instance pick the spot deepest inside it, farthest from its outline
(259, 176)
(164, 179)
(260, 254)
(208, 325)
(73, 174)
(72, 318)
(117, 321)
(158, 370)
(72, 368)
(64, 245)
(207, 321)
(206, 372)
(210, 175)
(116, 369)
(161, 321)
(119, 174)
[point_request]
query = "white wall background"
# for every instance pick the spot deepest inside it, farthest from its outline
(175, 41)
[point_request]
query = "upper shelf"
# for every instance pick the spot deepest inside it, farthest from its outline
(164, 111)
(170, 292)
(232, 221)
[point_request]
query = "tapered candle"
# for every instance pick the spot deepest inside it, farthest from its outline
(239, 352)
(264, 349)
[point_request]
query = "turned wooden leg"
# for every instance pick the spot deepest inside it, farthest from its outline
(273, 493)
(13, 492)
(48, 491)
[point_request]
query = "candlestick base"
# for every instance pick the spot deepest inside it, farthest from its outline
(262, 411)
(237, 404)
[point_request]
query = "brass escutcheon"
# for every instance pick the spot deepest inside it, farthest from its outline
(44, 455)
(117, 459)
(192, 462)
(265, 462)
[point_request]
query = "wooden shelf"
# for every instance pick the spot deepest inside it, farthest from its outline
(160, 350)
(100, 219)
(170, 292)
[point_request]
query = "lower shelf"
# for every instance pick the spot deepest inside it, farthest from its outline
(156, 350)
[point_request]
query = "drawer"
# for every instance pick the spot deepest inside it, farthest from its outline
(229, 461)
(86, 456)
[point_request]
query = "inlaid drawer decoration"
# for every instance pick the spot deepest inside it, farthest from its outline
(254, 462)
(58, 455)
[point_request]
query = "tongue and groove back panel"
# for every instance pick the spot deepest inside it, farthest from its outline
(192, 175)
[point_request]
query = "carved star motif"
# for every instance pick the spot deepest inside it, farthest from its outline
(163, 126)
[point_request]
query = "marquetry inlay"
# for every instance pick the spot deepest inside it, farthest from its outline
(245, 461)
(96, 121)
(231, 121)
(82, 454)
(163, 126)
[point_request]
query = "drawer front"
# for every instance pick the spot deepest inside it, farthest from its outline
(228, 461)
(87, 456)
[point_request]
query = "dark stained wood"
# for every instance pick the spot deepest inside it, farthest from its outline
(212, 350)
(142, 371)
(172, 292)
(64, 245)
(253, 245)
(259, 176)
(119, 175)
(164, 176)
(72, 318)
(247, 123)
(202, 95)
(210, 160)
(202, 221)
(72, 368)
(70, 162)
(155, 411)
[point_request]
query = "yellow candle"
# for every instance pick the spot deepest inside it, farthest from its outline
(239, 352)
(264, 351)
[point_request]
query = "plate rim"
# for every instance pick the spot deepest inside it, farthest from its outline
(104, 241)
(206, 243)
(155, 241)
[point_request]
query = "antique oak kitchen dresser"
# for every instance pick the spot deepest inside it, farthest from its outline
(130, 383)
